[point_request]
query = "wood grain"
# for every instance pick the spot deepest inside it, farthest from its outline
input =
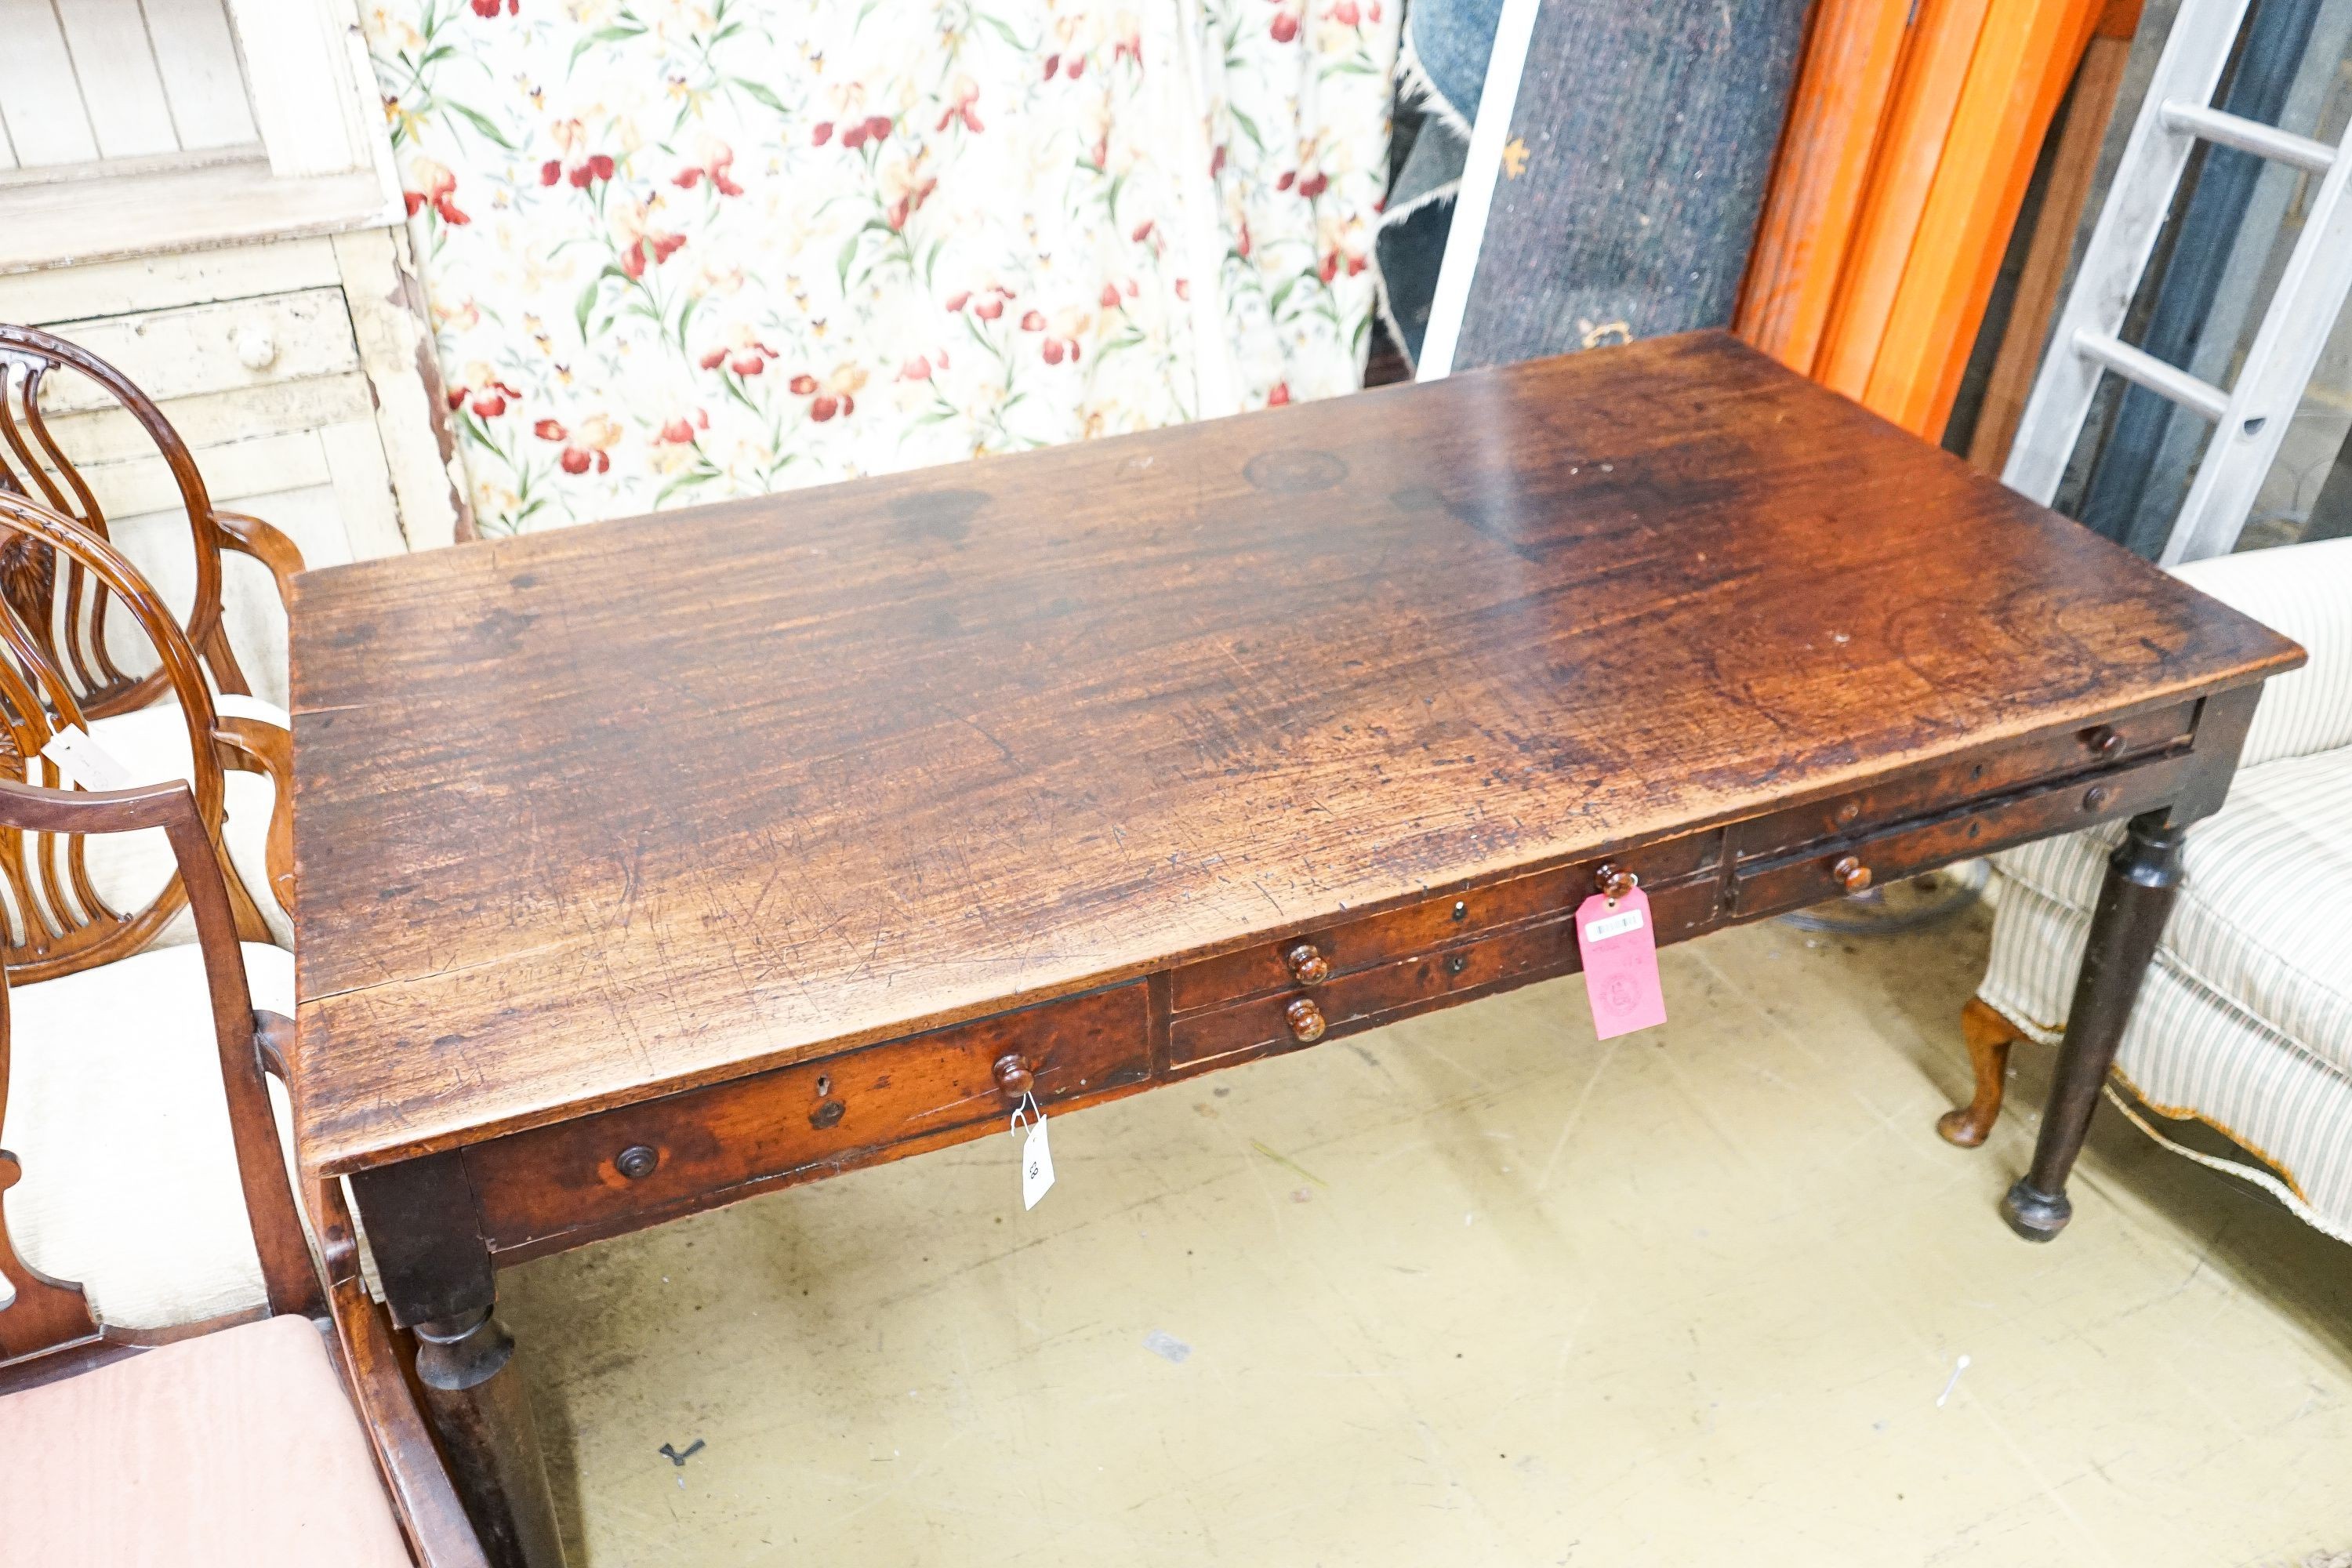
(589, 818)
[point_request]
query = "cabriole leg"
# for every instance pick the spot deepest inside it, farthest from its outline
(1989, 1036)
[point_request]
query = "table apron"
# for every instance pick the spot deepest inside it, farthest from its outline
(555, 1187)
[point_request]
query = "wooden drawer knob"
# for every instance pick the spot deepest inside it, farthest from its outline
(1850, 873)
(1305, 1021)
(1015, 1077)
(1306, 965)
(2102, 740)
(637, 1162)
(1613, 881)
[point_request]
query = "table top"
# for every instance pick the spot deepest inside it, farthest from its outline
(586, 816)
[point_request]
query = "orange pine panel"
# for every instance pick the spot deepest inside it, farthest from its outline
(1851, 57)
(1928, 92)
(2026, 54)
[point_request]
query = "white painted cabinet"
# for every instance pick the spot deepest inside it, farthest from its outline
(200, 192)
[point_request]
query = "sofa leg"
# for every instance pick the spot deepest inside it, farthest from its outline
(2143, 879)
(1989, 1038)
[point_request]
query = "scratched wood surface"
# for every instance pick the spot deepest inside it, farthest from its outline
(587, 816)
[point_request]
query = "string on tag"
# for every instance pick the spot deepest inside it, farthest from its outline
(1023, 1111)
(1036, 1154)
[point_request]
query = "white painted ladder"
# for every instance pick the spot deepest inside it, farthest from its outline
(2251, 417)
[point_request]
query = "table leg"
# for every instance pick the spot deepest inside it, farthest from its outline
(2143, 877)
(439, 1280)
(476, 1400)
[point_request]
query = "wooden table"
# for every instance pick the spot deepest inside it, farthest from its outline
(651, 865)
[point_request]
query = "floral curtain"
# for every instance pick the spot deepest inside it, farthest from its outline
(679, 250)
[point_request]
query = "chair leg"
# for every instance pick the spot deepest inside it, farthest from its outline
(1989, 1038)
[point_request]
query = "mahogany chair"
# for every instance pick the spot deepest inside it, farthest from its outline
(86, 965)
(72, 904)
(33, 465)
(66, 610)
(290, 1436)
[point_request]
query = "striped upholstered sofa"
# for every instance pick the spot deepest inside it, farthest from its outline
(2245, 1021)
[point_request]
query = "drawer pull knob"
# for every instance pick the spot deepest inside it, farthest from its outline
(255, 349)
(637, 1162)
(1848, 812)
(1306, 965)
(1850, 873)
(2102, 740)
(1613, 881)
(2098, 795)
(827, 1114)
(1014, 1077)
(1456, 963)
(1305, 1021)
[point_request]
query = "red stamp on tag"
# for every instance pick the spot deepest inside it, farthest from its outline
(1620, 963)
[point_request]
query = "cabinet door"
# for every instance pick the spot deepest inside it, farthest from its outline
(296, 385)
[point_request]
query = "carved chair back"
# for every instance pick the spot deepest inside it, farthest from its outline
(52, 919)
(49, 1317)
(70, 616)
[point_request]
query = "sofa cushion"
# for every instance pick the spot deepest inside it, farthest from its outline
(235, 1448)
(2304, 591)
(2262, 920)
(116, 1110)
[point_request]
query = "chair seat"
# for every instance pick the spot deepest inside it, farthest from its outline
(130, 868)
(115, 1110)
(238, 1447)
(2262, 920)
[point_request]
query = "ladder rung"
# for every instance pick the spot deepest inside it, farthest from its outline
(2248, 135)
(2147, 370)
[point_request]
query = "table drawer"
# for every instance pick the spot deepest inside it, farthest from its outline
(1379, 996)
(1376, 939)
(831, 1114)
(1803, 881)
(2026, 762)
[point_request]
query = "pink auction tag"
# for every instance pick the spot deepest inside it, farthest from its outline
(1620, 963)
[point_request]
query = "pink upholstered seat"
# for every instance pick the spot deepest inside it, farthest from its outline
(236, 1447)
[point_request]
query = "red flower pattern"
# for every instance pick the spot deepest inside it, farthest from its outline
(910, 156)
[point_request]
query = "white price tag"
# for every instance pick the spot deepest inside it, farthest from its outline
(1036, 1164)
(82, 761)
(1617, 924)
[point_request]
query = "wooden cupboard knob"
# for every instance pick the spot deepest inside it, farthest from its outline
(1850, 873)
(1613, 881)
(1305, 1021)
(1306, 965)
(2102, 740)
(1014, 1077)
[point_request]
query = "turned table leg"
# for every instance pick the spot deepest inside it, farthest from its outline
(1989, 1036)
(2143, 876)
(474, 1398)
(439, 1281)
